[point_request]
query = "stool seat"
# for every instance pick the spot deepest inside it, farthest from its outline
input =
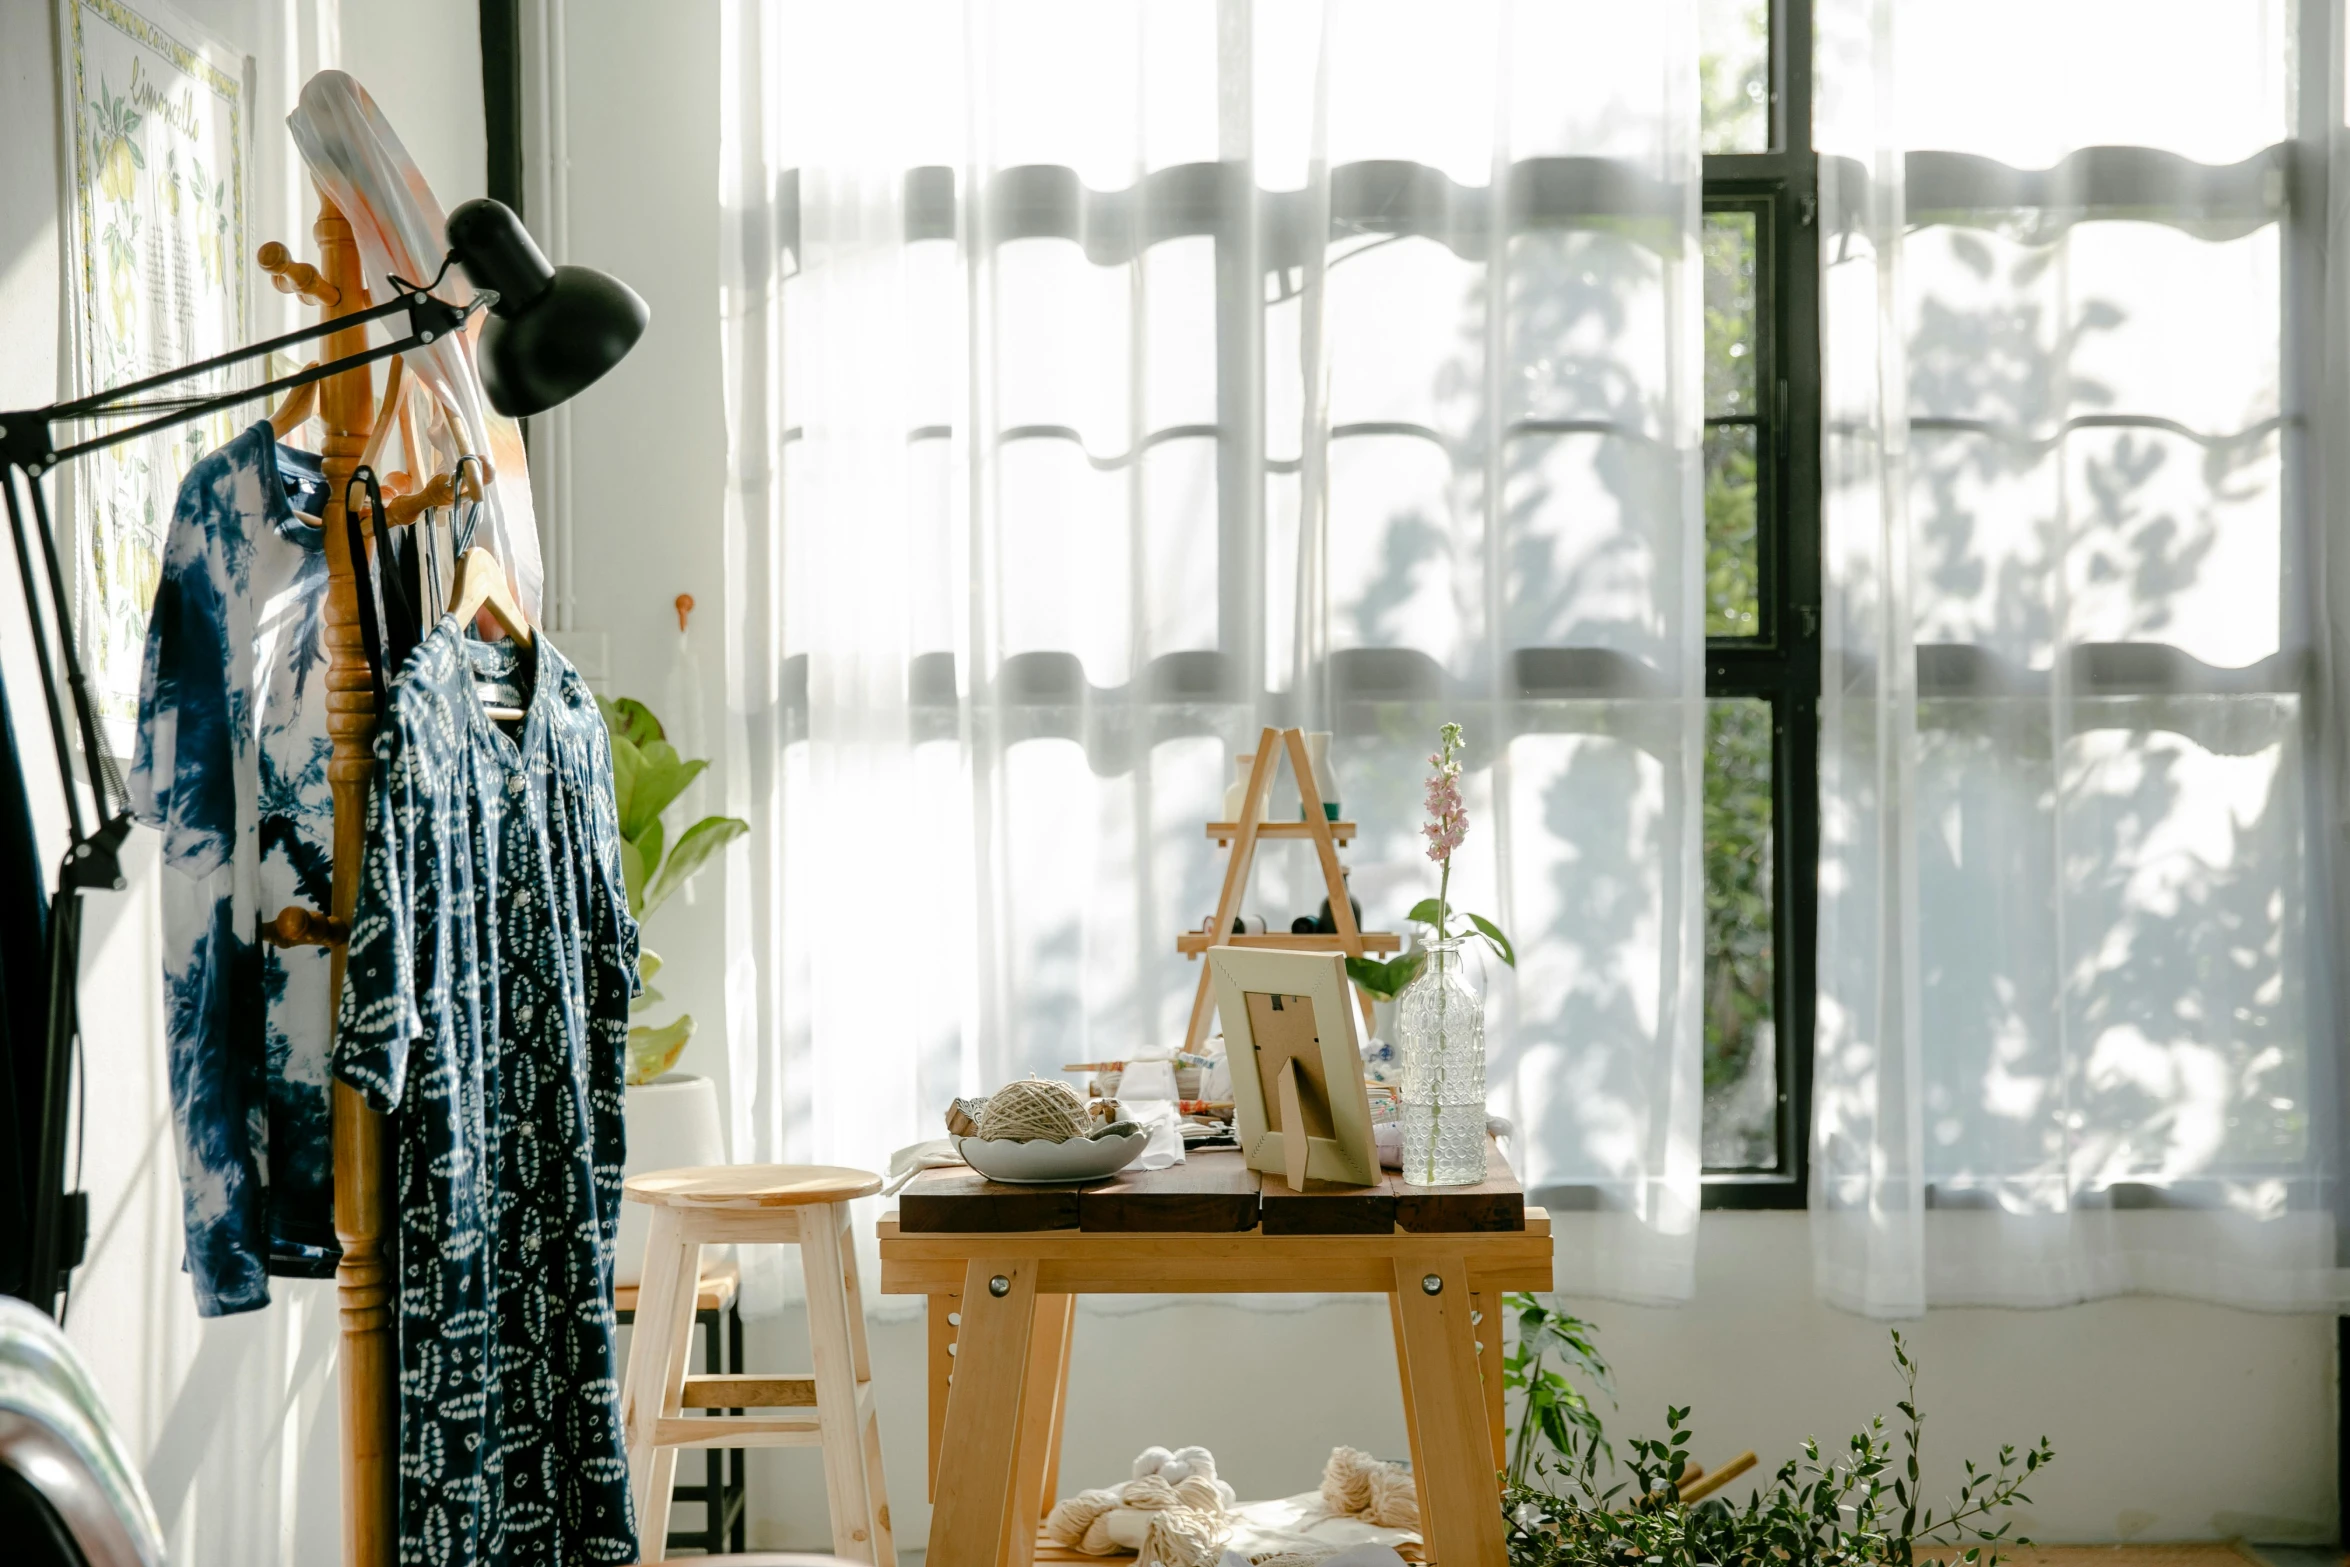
(751, 1185)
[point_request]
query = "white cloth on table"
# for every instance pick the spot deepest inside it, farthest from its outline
(914, 1158)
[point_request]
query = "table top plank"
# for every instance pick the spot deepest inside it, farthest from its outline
(958, 1200)
(1496, 1203)
(1327, 1207)
(1211, 1191)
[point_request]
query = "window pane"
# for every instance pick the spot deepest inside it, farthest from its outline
(1732, 571)
(1741, 1043)
(1729, 315)
(1731, 495)
(1734, 55)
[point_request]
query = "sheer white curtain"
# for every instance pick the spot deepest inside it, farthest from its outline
(2076, 1036)
(1108, 379)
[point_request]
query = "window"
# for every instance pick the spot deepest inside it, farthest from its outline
(1762, 597)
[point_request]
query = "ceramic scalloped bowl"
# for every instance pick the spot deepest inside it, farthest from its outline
(1041, 1163)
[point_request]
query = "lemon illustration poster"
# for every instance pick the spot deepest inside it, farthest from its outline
(157, 140)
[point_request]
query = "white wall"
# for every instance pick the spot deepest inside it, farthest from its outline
(647, 443)
(233, 1419)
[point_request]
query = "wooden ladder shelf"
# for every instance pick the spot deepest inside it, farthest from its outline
(1243, 836)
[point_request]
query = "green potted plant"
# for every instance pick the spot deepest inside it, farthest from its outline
(672, 1116)
(1860, 1505)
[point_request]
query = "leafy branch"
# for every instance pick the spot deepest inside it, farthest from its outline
(1857, 1509)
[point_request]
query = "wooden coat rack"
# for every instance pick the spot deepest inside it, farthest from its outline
(363, 1280)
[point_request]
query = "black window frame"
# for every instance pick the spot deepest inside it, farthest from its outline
(1782, 663)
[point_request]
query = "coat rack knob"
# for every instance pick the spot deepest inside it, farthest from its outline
(300, 927)
(289, 276)
(685, 607)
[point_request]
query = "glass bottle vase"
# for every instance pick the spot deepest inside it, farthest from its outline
(1441, 1024)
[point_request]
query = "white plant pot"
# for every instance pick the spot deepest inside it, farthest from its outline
(672, 1125)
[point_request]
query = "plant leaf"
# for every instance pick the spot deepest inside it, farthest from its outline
(630, 720)
(632, 870)
(703, 839)
(648, 963)
(662, 775)
(652, 1051)
(649, 844)
(1492, 932)
(627, 762)
(646, 997)
(1424, 913)
(1384, 981)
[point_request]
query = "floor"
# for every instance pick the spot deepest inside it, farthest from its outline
(2213, 1554)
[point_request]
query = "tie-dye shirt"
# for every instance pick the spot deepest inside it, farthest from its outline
(485, 1008)
(230, 765)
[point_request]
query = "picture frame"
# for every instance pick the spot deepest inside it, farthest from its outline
(1296, 1064)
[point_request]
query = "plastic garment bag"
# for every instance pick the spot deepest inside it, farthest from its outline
(360, 163)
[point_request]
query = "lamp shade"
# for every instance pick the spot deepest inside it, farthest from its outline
(554, 331)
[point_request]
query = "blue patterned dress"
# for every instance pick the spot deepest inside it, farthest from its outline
(230, 764)
(485, 1008)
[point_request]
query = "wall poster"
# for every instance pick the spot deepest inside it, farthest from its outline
(157, 141)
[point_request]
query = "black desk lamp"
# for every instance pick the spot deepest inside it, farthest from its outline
(552, 332)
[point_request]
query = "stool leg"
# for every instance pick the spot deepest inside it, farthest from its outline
(656, 1372)
(847, 1487)
(737, 1501)
(713, 1461)
(885, 1547)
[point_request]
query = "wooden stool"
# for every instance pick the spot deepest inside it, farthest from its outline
(724, 1494)
(770, 1205)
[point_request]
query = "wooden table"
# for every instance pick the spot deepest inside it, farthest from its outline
(1002, 1267)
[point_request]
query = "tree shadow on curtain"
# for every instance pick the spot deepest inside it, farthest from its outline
(2110, 833)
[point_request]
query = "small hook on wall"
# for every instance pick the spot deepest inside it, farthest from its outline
(685, 607)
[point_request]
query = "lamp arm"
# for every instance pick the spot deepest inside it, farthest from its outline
(25, 440)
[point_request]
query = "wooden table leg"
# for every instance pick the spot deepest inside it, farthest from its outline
(971, 1520)
(1460, 1499)
(1489, 1348)
(1039, 1475)
(1403, 1378)
(943, 1309)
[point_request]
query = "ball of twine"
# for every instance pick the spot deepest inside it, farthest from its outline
(1368, 1488)
(1031, 1109)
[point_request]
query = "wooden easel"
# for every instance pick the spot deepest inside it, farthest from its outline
(1243, 836)
(363, 1281)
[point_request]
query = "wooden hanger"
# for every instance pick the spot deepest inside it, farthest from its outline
(296, 410)
(442, 491)
(481, 585)
(372, 452)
